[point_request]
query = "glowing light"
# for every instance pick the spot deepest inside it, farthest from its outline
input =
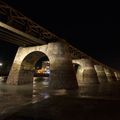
(1, 64)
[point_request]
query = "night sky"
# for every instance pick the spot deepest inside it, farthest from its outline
(96, 35)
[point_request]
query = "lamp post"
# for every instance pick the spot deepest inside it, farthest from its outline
(1, 64)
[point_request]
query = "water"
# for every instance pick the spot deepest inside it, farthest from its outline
(12, 98)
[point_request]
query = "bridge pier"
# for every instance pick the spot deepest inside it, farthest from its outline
(117, 76)
(62, 75)
(89, 73)
(79, 75)
(86, 73)
(101, 74)
(110, 75)
(22, 69)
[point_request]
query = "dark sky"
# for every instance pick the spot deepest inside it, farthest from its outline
(93, 33)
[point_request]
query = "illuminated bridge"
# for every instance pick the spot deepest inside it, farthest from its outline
(35, 42)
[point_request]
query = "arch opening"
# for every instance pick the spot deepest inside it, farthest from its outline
(33, 67)
(79, 74)
(75, 67)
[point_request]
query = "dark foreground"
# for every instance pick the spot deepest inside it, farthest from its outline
(69, 108)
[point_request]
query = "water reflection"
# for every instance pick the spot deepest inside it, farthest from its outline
(103, 90)
(13, 97)
(40, 89)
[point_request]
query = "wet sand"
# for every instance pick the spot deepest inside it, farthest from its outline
(69, 108)
(36, 100)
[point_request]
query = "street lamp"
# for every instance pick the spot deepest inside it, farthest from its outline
(1, 64)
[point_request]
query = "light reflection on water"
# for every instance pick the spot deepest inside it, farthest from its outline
(13, 97)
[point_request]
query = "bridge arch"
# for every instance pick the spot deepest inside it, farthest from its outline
(27, 68)
(62, 74)
(24, 62)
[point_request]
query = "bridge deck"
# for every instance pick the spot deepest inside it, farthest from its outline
(15, 36)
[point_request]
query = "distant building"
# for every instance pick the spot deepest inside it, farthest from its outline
(45, 68)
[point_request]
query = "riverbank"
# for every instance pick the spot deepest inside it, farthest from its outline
(69, 108)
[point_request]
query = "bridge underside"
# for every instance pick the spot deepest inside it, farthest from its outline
(12, 35)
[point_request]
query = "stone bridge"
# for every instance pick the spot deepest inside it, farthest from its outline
(62, 72)
(35, 42)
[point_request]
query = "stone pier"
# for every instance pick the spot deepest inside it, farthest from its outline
(86, 73)
(110, 75)
(89, 73)
(101, 74)
(79, 75)
(117, 75)
(62, 72)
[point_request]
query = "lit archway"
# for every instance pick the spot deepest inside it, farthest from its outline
(27, 69)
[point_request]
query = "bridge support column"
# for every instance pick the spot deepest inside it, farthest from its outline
(101, 74)
(62, 73)
(89, 74)
(20, 74)
(79, 75)
(110, 75)
(117, 75)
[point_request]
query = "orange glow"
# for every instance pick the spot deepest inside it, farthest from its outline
(42, 70)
